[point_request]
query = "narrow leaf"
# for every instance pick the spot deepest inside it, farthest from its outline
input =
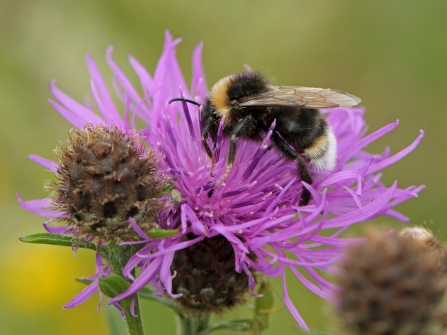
(162, 233)
(54, 239)
(84, 281)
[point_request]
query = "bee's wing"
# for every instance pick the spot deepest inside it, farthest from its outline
(307, 97)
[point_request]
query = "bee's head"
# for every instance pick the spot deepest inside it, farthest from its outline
(227, 92)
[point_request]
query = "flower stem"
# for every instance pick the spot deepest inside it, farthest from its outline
(188, 324)
(134, 325)
(117, 257)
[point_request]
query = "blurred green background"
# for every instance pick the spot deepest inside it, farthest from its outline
(392, 54)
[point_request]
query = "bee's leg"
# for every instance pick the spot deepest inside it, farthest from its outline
(306, 177)
(235, 135)
(304, 174)
(205, 133)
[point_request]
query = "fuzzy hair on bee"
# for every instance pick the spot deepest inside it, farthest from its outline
(250, 104)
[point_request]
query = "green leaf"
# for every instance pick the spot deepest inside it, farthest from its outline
(84, 281)
(235, 325)
(162, 233)
(55, 239)
(113, 285)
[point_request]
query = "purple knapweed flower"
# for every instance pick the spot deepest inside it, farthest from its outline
(255, 210)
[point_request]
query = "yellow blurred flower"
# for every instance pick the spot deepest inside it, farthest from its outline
(41, 277)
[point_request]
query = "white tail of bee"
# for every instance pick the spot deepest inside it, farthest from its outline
(327, 157)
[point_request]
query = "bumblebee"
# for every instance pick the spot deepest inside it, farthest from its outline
(250, 103)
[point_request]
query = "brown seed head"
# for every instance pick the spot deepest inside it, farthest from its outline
(391, 287)
(104, 177)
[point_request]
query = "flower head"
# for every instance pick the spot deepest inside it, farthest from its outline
(105, 177)
(255, 211)
(391, 285)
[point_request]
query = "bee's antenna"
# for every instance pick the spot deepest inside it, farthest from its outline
(186, 100)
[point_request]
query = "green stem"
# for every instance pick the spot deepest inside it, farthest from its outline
(134, 325)
(191, 324)
(118, 257)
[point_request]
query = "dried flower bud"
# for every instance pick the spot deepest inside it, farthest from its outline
(390, 286)
(206, 277)
(104, 177)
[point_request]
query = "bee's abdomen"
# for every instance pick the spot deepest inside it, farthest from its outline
(322, 153)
